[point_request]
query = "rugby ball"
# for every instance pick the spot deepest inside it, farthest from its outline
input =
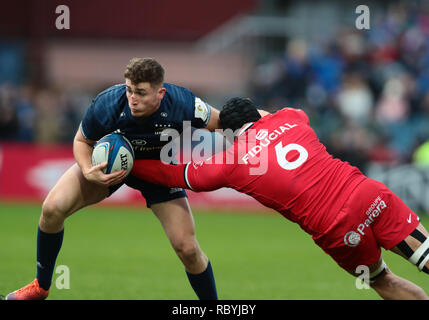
(116, 150)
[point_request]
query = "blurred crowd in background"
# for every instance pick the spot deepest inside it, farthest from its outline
(41, 115)
(366, 92)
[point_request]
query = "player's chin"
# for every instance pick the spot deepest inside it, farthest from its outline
(136, 113)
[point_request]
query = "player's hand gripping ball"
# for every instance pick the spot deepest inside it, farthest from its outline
(116, 150)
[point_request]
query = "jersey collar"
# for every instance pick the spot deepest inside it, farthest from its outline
(243, 129)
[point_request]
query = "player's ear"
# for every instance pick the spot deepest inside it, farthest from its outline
(161, 92)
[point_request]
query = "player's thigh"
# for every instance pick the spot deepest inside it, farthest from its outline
(176, 219)
(170, 205)
(73, 192)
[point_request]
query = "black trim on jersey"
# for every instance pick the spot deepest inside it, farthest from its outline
(245, 128)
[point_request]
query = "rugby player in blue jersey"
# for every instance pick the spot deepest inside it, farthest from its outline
(140, 109)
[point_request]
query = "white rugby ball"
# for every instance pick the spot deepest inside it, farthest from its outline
(116, 150)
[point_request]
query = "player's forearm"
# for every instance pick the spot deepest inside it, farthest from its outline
(82, 153)
(157, 172)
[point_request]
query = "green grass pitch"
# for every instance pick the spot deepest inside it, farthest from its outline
(122, 253)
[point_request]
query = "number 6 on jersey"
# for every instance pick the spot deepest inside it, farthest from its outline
(281, 153)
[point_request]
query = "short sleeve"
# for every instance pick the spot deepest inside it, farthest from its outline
(102, 115)
(90, 126)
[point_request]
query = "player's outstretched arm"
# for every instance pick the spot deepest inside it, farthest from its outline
(194, 176)
(82, 150)
(157, 172)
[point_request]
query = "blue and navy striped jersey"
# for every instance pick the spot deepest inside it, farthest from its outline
(109, 112)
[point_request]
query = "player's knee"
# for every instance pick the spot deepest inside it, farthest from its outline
(52, 211)
(186, 249)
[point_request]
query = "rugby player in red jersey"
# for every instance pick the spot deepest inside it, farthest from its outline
(279, 161)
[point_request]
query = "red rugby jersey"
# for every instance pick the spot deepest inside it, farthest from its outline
(280, 162)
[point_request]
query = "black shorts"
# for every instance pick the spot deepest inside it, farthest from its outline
(153, 193)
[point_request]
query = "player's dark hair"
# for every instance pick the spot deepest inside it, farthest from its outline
(238, 111)
(144, 70)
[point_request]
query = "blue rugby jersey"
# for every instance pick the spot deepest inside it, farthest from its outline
(109, 112)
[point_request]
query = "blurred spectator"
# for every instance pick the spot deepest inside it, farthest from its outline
(327, 66)
(393, 106)
(26, 114)
(355, 100)
(421, 155)
(49, 119)
(9, 124)
(382, 153)
(352, 143)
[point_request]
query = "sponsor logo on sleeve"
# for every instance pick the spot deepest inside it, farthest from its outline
(201, 109)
